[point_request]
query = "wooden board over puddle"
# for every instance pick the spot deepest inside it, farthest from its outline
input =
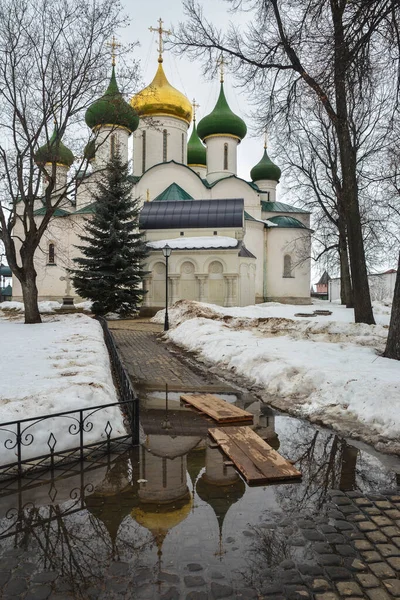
(217, 409)
(254, 458)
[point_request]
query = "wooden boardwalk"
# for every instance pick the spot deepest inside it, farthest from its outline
(253, 457)
(217, 409)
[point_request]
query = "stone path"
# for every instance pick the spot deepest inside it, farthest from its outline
(151, 365)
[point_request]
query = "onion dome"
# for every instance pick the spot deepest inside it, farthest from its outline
(54, 151)
(196, 152)
(222, 121)
(265, 169)
(89, 152)
(111, 109)
(160, 98)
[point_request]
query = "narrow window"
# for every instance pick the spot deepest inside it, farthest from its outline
(165, 147)
(112, 146)
(287, 266)
(183, 148)
(225, 157)
(215, 232)
(182, 233)
(143, 151)
(51, 259)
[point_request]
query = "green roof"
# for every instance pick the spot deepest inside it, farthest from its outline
(281, 207)
(5, 271)
(196, 152)
(7, 291)
(89, 209)
(265, 169)
(222, 120)
(90, 150)
(59, 212)
(248, 217)
(54, 152)
(111, 109)
(283, 221)
(173, 192)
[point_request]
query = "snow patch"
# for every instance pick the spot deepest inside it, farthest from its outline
(186, 243)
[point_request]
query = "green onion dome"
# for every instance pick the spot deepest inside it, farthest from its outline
(196, 152)
(90, 150)
(54, 151)
(265, 169)
(222, 121)
(111, 109)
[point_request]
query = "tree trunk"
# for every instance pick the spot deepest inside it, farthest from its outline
(348, 468)
(346, 291)
(348, 161)
(392, 349)
(30, 295)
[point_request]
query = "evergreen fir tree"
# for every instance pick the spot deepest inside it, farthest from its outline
(110, 269)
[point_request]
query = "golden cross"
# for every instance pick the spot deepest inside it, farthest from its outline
(160, 32)
(221, 62)
(265, 140)
(195, 107)
(113, 45)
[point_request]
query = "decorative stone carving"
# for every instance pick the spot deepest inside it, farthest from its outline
(187, 268)
(159, 268)
(215, 267)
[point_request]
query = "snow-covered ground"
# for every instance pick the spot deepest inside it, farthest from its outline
(45, 307)
(325, 368)
(57, 366)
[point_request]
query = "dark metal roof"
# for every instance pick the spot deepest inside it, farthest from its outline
(5, 271)
(192, 214)
(244, 252)
(285, 221)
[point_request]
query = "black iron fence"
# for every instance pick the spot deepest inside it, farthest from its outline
(47, 441)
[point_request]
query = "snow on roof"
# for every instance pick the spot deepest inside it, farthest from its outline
(188, 243)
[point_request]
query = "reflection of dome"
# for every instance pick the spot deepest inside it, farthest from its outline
(195, 462)
(220, 497)
(168, 446)
(160, 98)
(165, 517)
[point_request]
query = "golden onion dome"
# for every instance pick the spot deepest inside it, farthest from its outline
(161, 98)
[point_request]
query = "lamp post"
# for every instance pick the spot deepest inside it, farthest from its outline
(1, 277)
(167, 253)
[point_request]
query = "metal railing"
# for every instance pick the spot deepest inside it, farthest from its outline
(16, 437)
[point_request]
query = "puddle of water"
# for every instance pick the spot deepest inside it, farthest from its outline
(173, 503)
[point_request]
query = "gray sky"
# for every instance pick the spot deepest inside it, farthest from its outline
(187, 76)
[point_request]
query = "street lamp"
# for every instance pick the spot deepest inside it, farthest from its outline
(167, 253)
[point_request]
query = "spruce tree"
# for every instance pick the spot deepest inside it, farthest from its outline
(110, 270)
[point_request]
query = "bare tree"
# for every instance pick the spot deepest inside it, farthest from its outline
(52, 64)
(324, 46)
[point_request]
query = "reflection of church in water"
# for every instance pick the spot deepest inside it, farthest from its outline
(177, 463)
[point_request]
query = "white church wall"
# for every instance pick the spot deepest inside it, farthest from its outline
(293, 286)
(221, 153)
(255, 242)
(269, 187)
(234, 187)
(153, 235)
(156, 148)
(108, 139)
(156, 180)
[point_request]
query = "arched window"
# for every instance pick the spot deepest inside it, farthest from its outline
(225, 157)
(143, 151)
(51, 256)
(112, 145)
(165, 145)
(287, 266)
(183, 148)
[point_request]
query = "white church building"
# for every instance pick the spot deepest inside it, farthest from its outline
(233, 243)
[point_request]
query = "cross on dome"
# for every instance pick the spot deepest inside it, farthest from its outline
(195, 107)
(160, 32)
(113, 45)
(221, 62)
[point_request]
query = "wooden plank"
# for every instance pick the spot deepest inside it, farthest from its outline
(268, 465)
(217, 409)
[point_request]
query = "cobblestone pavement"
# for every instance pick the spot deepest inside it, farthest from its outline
(355, 549)
(151, 365)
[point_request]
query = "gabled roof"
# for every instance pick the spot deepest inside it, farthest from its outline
(281, 207)
(59, 212)
(89, 209)
(191, 214)
(173, 192)
(324, 278)
(7, 291)
(284, 221)
(243, 252)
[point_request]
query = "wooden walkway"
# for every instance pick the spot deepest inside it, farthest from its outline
(217, 409)
(254, 458)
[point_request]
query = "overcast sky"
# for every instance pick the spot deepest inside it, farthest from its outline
(187, 76)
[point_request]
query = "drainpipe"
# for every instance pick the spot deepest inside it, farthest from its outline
(265, 265)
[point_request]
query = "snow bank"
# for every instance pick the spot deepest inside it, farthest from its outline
(184, 243)
(56, 366)
(45, 307)
(324, 368)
